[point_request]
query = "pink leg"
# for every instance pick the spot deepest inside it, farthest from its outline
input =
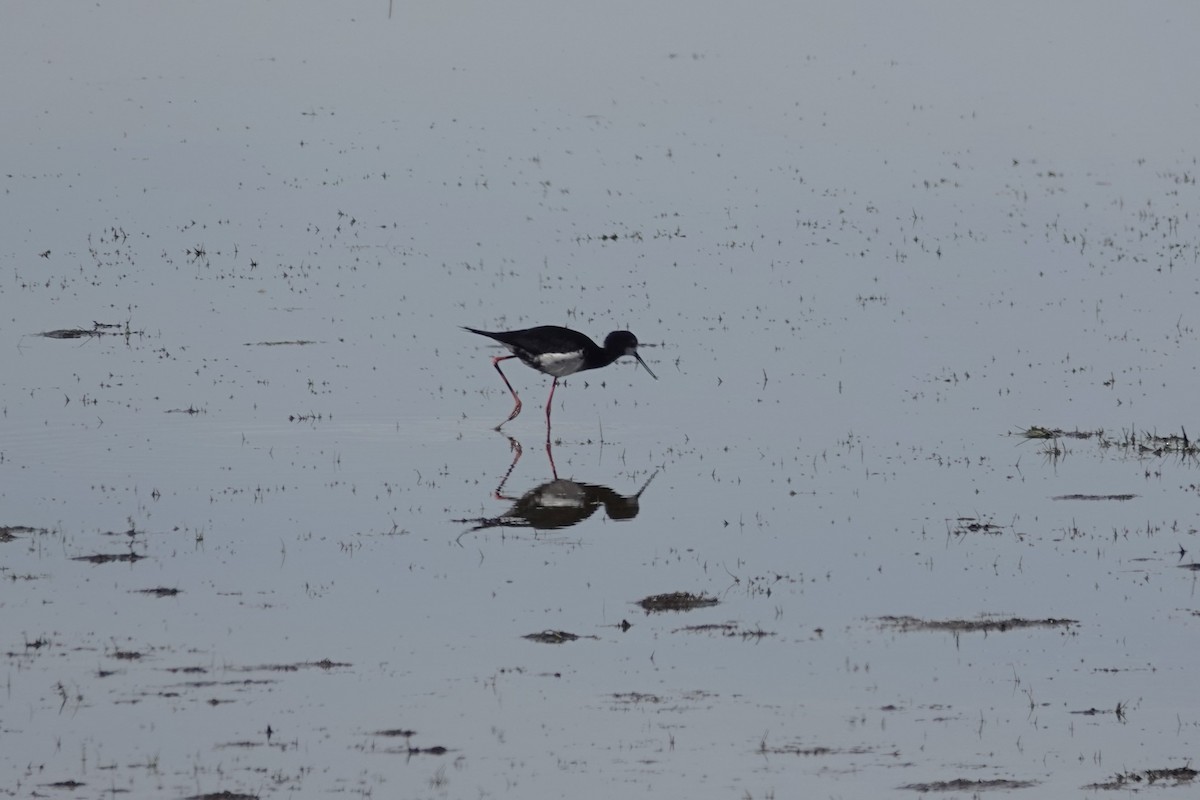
(517, 408)
(549, 401)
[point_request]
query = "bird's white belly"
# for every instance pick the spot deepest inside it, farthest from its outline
(560, 365)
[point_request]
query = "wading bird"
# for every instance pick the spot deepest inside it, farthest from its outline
(559, 352)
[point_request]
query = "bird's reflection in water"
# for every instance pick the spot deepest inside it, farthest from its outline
(557, 504)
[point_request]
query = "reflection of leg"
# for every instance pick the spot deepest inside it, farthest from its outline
(550, 455)
(517, 408)
(515, 447)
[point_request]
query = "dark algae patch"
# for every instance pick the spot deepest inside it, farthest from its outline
(809, 750)
(729, 629)
(97, 329)
(964, 785)
(160, 591)
(1132, 780)
(408, 749)
(551, 637)
(9, 533)
(1121, 497)
(325, 664)
(1040, 432)
(106, 558)
(964, 525)
(281, 343)
(676, 601)
(973, 625)
(635, 698)
(1118, 712)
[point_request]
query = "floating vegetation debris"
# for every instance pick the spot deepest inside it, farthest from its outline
(1118, 712)
(964, 785)
(161, 591)
(973, 625)
(797, 749)
(9, 533)
(731, 629)
(1038, 432)
(407, 749)
(1121, 497)
(280, 343)
(636, 698)
(324, 663)
(70, 333)
(676, 601)
(1145, 443)
(242, 682)
(97, 329)
(130, 532)
(551, 637)
(105, 558)
(635, 236)
(189, 410)
(436, 750)
(1154, 445)
(964, 525)
(1131, 779)
(727, 628)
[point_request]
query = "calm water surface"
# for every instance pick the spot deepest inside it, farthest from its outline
(262, 539)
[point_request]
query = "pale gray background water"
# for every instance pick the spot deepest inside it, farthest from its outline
(867, 243)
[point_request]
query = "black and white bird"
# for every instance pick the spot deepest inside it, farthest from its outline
(559, 352)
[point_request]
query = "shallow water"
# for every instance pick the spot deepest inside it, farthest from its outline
(863, 253)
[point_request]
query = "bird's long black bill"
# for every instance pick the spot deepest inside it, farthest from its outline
(643, 363)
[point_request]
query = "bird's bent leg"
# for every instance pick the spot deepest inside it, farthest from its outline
(517, 408)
